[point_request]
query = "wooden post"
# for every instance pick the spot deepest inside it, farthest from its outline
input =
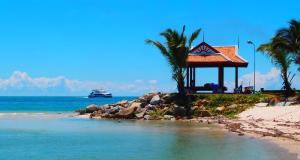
(191, 77)
(221, 79)
(194, 77)
(236, 77)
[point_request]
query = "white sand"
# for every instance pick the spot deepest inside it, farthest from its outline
(285, 119)
(278, 113)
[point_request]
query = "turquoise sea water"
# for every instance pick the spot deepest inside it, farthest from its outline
(44, 128)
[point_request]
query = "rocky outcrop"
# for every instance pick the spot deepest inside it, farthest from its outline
(151, 106)
(91, 108)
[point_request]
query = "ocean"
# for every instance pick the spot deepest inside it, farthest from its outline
(45, 128)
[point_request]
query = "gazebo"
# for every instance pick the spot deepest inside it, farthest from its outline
(204, 56)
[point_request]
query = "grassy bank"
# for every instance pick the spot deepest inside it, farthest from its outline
(228, 105)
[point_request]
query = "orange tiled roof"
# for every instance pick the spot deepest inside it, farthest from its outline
(206, 55)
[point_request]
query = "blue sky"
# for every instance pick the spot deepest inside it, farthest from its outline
(67, 47)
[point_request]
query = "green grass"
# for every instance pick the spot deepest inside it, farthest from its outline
(242, 102)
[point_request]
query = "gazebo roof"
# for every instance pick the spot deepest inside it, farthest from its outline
(205, 55)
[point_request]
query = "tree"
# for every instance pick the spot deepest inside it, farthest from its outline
(281, 59)
(176, 50)
(288, 39)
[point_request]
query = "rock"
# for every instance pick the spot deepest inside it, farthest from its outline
(91, 108)
(141, 114)
(274, 101)
(147, 117)
(150, 107)
(140, 109)
(233, 106)
(106, 106)
(233, 127)
(107, 115)
(194, 108)
(204, 113)
(168, 117)
(122, 103)
(220, 109)
(80, 112)
(203, 102)
(114, 110)
(128, 112)
(155, 100)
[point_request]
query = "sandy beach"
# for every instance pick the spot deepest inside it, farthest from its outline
(281, 122)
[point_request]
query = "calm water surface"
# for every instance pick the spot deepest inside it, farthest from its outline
(30, 129)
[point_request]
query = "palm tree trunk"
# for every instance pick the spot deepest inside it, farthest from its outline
(180, 86)
(287, 86)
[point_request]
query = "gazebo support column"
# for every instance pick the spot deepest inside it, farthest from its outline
(188, 77)
(236, 77)
(221, 79)
(191, 76)
(194, 77)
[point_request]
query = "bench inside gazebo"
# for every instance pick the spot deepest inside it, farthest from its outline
(205, 56)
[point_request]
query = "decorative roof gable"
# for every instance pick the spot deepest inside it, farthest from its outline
(204, 49)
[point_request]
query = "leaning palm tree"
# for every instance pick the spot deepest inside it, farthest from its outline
(281, 60)
(176, 50)
(289, 40)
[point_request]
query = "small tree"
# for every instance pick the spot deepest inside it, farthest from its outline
(280, 59)
(288, 39)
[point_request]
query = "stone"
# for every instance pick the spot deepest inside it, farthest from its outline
(233, 106)
(150, 107)
(204, 113)
(147, 117)
(155, 100)
(168, 117)
(128, 112)
(203, 102)
(220, 109)
(114, 110)
(274, 101)
(107, 115)
(141, 114)
(122, 103)
(91, 108)
(106, 106)
(80, 112)
(139, 109)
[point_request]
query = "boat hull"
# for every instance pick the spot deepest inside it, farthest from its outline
(100, 96)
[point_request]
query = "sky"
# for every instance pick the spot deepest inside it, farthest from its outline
(68, 47)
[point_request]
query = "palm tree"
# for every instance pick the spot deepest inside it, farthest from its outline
(176, 50)
(281, 59)
(289, 40)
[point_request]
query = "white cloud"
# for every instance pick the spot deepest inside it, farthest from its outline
(20, 83)
(269, 80)
(262, 80)
(152, 81)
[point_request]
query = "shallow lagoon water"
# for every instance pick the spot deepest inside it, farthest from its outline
(68, 138)
(48, 136)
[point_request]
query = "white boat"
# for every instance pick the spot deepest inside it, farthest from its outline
(99, 93)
